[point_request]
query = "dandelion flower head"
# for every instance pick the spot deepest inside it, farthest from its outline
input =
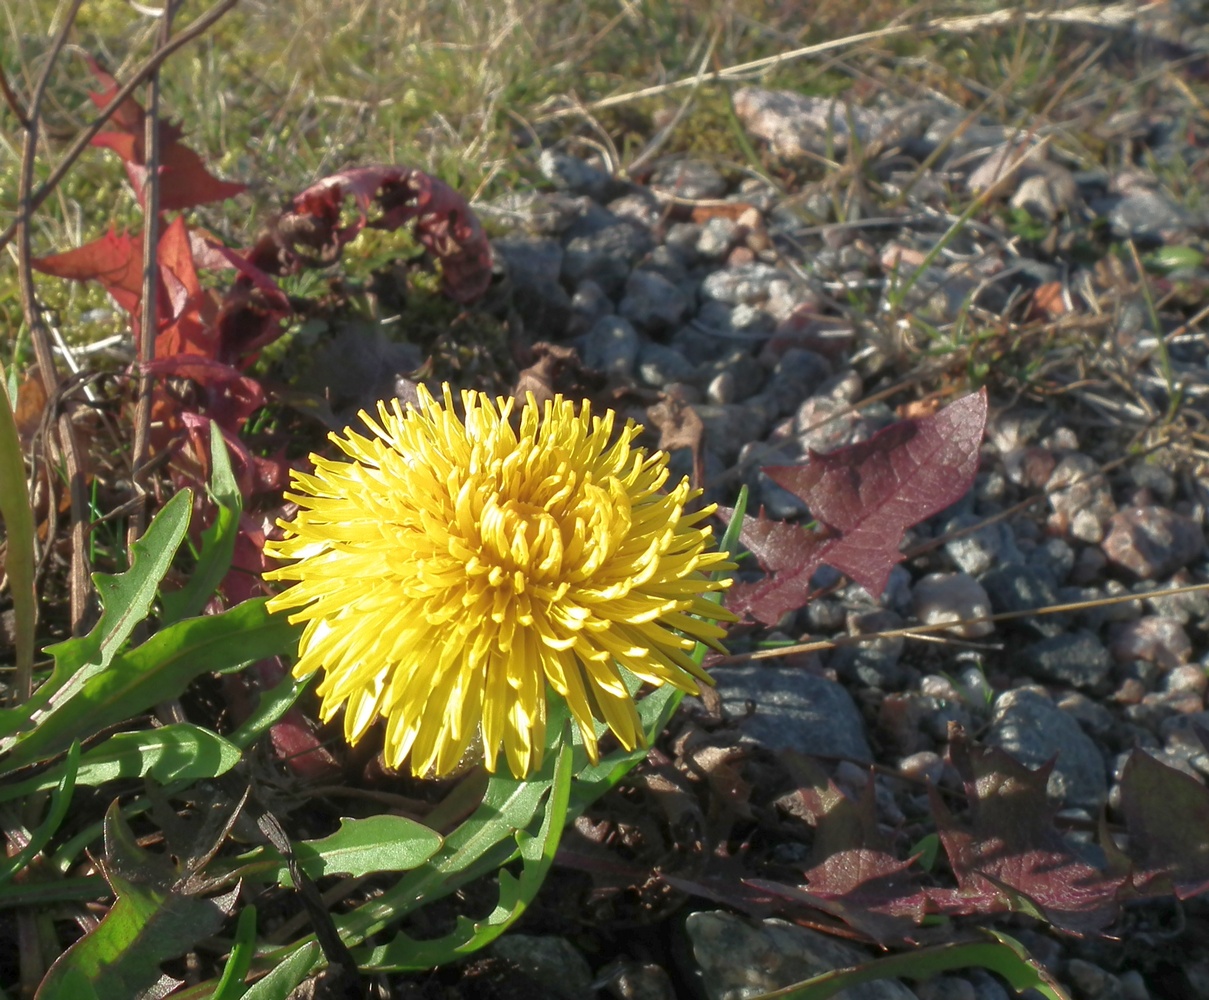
(456, 565)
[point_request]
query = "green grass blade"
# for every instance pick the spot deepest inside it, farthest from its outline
(1002, 954)
(18, 517)
(60, 800)
(287, 974)
(232, 986)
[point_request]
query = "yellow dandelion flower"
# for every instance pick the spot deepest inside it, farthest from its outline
(455, 567)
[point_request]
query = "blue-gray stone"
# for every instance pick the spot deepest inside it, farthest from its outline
(1023, 588)
(988, 546)
(652, 302)
(568, 173)
(793, 710)
(600, 246)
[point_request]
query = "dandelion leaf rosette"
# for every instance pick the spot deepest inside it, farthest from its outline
(456, 564)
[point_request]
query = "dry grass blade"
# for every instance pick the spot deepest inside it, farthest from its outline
(39, 334)
(926, 631)
(1113, 16)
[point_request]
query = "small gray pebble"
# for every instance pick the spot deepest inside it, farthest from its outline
(1078, 659)
(953, 597)
(652, 302)
(569, 173)
(588, 304)
(660, 365)
(691, 179)
(1030, 727)
(717, 236)
(989, 546)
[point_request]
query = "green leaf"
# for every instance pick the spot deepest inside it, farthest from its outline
(232, 985)
(179, 752)
(60, 799)
(18, 518)
(537, 855)
(79, 889)
(273, 704)
(125, 601)
(359, 847)
(287, 974)
(1167, 259)
(158, 670)
(1002, 954)
(151, 922)
(480, 845)
(218, 540)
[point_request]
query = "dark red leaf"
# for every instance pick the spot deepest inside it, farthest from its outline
(854, 874)
(115, 260)
(788, 552)
(184, 180)
(1167, 817)
(870, 493)
(186, 312)
(445, 225)
(1011, 857)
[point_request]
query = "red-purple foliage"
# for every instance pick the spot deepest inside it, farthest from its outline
(1004, 850)
(184, 180)
(864, 497)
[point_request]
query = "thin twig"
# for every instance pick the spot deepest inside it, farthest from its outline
(10, 98)
(148, 325)
(39, 335)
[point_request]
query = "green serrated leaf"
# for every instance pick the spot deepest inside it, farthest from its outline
(149, 923)
(125, 601)
(480, 845)
(218, 540)
(158, 670)
(179, 752)
(360, 847)
(515, 893)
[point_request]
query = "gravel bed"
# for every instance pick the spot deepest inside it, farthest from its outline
(776, 325)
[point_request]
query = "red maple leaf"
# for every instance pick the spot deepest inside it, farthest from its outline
(1011, 857)
(1167, 817)
(865, 496)
(184, 180)
(115, 260)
